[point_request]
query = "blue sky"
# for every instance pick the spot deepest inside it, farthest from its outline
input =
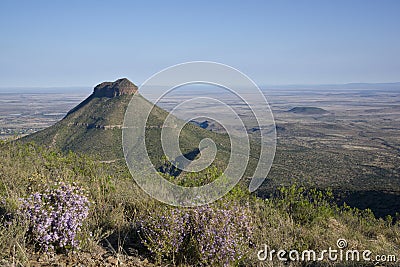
(81, 43)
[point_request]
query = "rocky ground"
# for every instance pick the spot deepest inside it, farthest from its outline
(99, 257)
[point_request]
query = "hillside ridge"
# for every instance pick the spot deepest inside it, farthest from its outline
(94, 127)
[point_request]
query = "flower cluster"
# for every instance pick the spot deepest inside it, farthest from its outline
(222, 235)
(56, 216)
(163, 233)
(205, 235)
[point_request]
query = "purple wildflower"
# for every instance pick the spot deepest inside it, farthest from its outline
(56, 216)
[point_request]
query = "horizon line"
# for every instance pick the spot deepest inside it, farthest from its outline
(261, 85)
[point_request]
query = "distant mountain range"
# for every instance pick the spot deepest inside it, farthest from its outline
(46, 90)
(347, 86)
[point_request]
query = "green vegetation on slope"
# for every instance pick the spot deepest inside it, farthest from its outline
(94, 128)
(83, 130)
(296, 218)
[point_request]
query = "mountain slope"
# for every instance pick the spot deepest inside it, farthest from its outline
(94, 127)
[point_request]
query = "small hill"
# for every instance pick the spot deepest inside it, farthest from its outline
(308, 110)
(209, 125)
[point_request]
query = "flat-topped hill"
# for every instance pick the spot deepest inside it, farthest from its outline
(308, 110)
(94, 127)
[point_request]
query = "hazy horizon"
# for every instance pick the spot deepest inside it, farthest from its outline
(89, 89)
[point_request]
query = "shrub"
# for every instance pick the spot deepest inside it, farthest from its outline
(222, 236)
(163, 233)
(306, 206)
(55, 217)
(204, 235)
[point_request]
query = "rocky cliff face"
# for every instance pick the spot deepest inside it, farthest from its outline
(113, 89)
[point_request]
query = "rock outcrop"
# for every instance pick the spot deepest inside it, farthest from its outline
(112, 89)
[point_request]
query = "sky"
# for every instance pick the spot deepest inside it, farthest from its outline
(82, 43)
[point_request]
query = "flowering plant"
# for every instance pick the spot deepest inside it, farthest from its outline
(203, 235)
(222, 235)
(56, 216)
(163, 233)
